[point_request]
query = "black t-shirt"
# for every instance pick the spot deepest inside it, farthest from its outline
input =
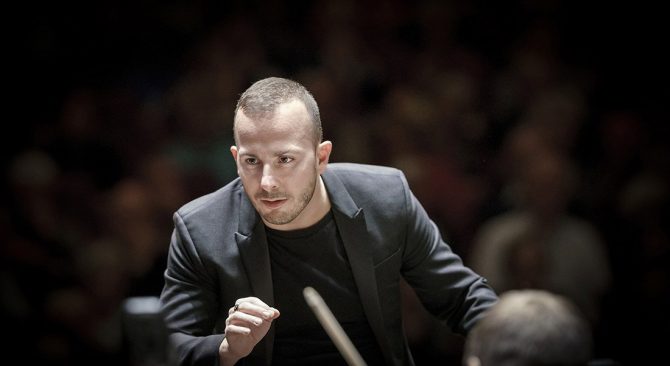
(315, 257)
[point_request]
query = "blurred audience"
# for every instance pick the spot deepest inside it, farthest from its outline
(507, 135)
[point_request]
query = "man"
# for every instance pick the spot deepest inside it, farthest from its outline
(533, 328)
(243, 253)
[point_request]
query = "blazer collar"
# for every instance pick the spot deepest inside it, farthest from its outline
(253, 247)
(352, 226)
(248, 218)
(340, 199)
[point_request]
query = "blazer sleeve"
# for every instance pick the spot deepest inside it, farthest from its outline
(447, 288)
(190, 302)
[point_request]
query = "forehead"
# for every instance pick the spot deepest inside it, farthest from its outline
(290, 121)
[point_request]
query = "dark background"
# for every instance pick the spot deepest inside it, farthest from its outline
(120, 111)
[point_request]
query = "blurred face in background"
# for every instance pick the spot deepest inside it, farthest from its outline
(548, 183)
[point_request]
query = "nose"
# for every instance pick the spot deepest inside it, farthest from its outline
(268, 181)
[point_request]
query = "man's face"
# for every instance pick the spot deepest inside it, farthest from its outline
(279, 164)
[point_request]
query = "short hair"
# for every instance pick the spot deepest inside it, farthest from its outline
(531, 328)
(263, 97)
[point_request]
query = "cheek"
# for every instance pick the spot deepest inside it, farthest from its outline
(248, 179)
(301, 180)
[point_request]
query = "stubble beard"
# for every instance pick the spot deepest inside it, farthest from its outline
(279, 217)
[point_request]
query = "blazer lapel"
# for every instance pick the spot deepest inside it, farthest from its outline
(351, 224)
(253, 247)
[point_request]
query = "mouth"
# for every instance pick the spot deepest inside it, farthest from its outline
(273, 203)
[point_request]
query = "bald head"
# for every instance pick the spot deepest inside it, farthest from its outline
(531, 327)
(262, 99)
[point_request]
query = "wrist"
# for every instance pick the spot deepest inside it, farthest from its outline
(226, 357)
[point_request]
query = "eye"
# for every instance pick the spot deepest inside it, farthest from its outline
(285, 159)
(251, 161)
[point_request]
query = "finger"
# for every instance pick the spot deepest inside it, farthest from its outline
(233, 329)
(242, 318)
(253, 308)
(265, 313)
(252, 300)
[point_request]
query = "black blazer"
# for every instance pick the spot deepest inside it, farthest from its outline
(218, 253)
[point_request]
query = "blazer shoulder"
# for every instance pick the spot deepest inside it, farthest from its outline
(211, 202)
(352, 169)
(367, 183)
(367, 176)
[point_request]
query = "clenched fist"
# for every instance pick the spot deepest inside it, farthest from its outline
(247, 323)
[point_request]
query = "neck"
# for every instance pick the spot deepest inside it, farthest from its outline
(321, 194)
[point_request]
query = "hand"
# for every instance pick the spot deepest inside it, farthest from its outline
(247, 323)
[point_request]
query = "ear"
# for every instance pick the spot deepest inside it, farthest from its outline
(233, 150)
(323, 154)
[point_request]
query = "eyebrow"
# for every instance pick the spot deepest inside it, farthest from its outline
(279, 153)
(286, 152)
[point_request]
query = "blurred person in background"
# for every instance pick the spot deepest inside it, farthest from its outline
(530, 328)
(541, 244)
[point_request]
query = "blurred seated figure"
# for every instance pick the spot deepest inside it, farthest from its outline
(540, 244)
(530, 327)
